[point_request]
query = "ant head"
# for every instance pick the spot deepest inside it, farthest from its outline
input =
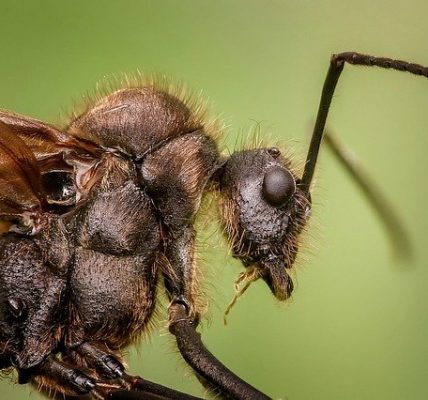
(264, 211)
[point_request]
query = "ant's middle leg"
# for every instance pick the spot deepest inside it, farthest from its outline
(113, 382)
(53, 376)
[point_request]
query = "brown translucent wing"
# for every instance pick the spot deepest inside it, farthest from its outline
(20, 183)
(47, 143)
(54, 151)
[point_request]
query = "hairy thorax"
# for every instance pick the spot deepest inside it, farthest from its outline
(114, 275)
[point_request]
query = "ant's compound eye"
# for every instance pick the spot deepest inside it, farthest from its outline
(16, 307)
(278, 186)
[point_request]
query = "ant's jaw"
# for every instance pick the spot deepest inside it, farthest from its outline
(273, 271)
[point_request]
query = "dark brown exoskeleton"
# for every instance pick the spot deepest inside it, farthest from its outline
(93, 215)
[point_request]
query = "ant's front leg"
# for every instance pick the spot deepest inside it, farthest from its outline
(184, 318)
(180, 272)
(214, 374)
(176, 176)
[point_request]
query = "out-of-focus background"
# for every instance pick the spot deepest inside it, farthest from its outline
(357, 325)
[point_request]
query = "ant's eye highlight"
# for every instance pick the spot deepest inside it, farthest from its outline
(274, 152)
(279, 186)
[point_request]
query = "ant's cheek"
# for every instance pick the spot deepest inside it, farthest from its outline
(274, 273)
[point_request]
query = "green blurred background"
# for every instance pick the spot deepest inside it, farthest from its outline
(357, 325)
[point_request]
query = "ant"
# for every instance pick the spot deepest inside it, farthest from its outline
(95, 214)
